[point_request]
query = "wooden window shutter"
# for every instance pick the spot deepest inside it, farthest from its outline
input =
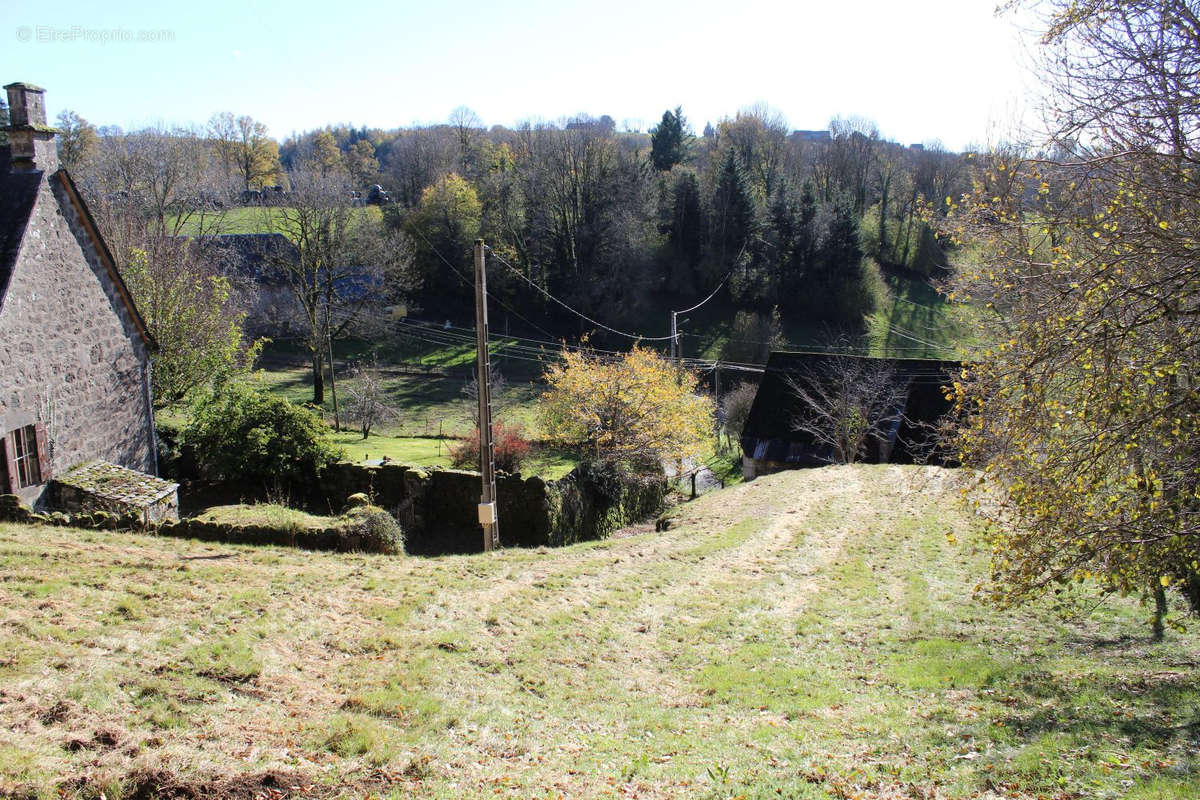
(43, 452)
(12, 482)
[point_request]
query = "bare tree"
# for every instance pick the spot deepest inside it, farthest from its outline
(846, 162)
(846, 403)
(735, 408)
(499, 399)
(346, 263)
(367, 398)
(468, 130)
(147, 190)
(155, 179)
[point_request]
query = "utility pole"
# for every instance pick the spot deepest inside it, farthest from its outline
(337, 419)
(487, 455)
(675, 338)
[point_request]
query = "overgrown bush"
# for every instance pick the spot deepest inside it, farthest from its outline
(509, 443)
(243, 434)
(376, 529)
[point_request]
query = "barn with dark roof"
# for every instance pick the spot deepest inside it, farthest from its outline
(771, 442)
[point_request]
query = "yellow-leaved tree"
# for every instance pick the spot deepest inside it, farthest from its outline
(1083, 416)
(635, 407)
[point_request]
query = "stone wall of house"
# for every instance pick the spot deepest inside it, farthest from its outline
(70, 354)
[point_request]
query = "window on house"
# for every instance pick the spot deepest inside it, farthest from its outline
(25, 458)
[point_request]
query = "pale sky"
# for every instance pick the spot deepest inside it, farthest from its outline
(923, 70)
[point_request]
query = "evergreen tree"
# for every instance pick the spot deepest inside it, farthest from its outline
(669, 140)
(794, 234)
(687, 219)
(837, 285)
(734, 218)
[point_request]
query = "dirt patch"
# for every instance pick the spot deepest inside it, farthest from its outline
(633, 530)
(163, 784)
(56, 713)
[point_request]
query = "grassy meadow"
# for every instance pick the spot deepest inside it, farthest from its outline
(806, 635)
(247, 219)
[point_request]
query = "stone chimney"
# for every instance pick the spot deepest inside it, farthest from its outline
(30, 139)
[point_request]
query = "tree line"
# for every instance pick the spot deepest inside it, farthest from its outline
(613, 223)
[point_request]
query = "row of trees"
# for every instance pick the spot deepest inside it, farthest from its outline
(613, 223)
(609, 221)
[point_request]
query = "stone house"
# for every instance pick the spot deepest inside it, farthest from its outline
(74, 352)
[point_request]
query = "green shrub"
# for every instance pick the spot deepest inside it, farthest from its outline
(377, 530)
(243, 434)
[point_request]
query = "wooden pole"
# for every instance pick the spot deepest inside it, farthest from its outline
(674, 338)
(488, 517)
(337, 419)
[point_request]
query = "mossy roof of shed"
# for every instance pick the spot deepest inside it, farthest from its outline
(116, 483)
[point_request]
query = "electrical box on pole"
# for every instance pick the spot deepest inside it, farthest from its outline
(487, 455)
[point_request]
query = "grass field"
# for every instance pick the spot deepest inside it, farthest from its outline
(430, 409)
(250, 219)
(805, 635)
(916, 322)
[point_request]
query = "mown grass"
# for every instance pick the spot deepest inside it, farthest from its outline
(808, 635)
(915, 321)
(425, 406)
(432, 412)
(251, 219)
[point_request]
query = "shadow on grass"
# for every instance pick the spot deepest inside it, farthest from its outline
(919, 322)
(1147, 707)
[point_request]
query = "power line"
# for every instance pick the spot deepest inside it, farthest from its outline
(728, 275)
(471, 284)
(580, 314)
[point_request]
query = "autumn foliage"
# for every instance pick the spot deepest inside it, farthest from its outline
(635, 407)
(1083, 414)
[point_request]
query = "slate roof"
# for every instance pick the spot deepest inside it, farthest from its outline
(17, 195)
(768, 434)
(253, 256)
(116, 484)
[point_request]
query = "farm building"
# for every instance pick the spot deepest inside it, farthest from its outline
(255, 262)
(74, 352)
(910, 403)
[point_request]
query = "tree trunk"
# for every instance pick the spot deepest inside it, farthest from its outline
(318, 368)
(1160, 611)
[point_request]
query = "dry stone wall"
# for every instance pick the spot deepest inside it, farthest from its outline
(437, 508)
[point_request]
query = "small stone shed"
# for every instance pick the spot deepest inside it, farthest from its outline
(101, 486)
